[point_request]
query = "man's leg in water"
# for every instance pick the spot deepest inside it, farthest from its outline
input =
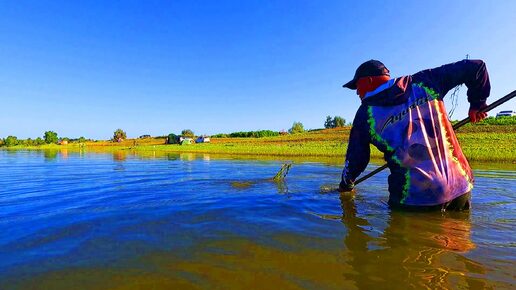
(460, 203)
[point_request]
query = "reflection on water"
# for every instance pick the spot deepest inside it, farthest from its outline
(63, 152)
(129, 220)
(120, 155)
(412, 250)
(50, 154)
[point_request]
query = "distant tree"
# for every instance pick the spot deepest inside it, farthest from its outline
(172, 139)
(119, 135)
(50, 137)
(297, 127)
(328, 123)
(187, 133)
(11, 141)
(29, 142)
(81, 139)
(338, 122)
(38, 141)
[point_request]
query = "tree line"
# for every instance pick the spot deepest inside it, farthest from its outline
(51, 137)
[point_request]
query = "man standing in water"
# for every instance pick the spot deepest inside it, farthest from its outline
(405, 118)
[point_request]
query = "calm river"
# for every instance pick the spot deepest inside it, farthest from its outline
(126, 221)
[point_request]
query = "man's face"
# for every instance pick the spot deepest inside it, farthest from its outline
(363, 85)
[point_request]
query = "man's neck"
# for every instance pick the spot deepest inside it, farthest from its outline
(379, 88)
(376, 82)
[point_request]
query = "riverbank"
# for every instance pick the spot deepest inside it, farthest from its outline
(480, 143)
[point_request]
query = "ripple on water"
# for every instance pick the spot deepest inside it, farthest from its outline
(124, 220)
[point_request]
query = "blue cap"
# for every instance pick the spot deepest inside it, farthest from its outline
(369, 68)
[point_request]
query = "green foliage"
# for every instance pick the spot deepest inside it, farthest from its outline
(297, 127)
(38, 141)
(50, 137)
(336, 122)
(11, 141)
(81, 139)
(248, 134)
(187, 133)
(328, 123)
(172, 139)
(503, 120)
(254, 134)
(241, 134)
(119, 135)
(495, 121)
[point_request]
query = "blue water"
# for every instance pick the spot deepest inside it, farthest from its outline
(108, 220)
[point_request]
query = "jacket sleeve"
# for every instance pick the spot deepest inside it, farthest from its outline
(472, 73)
(357, 155)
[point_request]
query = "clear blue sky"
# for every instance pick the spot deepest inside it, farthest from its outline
(86, 68)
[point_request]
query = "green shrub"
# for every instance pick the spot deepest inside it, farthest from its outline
(38, 141)
(297, 127)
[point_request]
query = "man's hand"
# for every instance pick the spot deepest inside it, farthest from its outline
(477, 116)
(345, 187)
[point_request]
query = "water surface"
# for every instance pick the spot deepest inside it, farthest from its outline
(121, 220)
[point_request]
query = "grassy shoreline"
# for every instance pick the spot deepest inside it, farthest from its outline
(487, 143)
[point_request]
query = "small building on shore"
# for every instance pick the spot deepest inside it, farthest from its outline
(203, 139)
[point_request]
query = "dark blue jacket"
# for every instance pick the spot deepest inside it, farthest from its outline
(407, 121)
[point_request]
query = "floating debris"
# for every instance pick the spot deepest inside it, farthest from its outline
(329, 188)
(241, 184)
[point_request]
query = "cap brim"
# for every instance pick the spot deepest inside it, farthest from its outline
(352, 84)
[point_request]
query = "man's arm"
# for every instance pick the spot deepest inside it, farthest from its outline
(472, 73)
(357, 155)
